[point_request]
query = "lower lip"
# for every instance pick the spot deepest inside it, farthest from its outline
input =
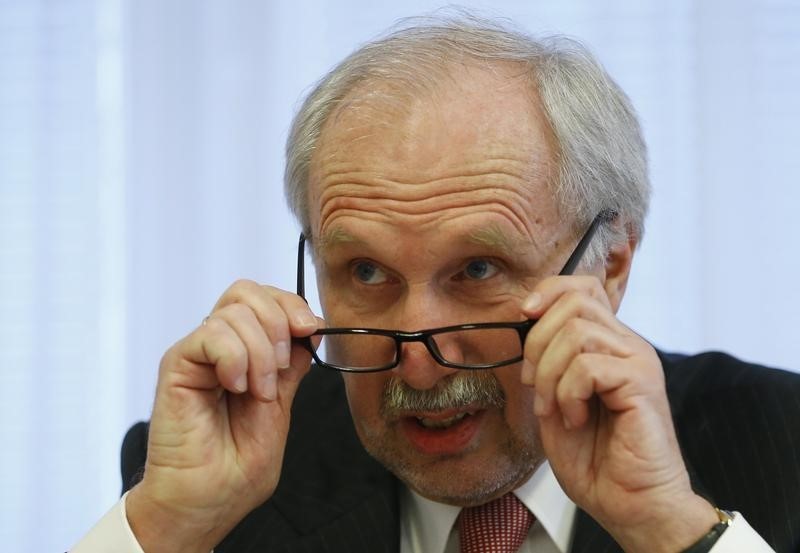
(441, 441)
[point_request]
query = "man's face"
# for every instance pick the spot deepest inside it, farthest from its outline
(436, 212)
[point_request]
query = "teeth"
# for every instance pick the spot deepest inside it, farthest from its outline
(441, 423)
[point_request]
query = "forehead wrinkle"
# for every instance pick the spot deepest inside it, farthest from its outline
(493, 235)
(508, 210)
(432, 208)
(349, 182)
(372, 167)
(371, 201)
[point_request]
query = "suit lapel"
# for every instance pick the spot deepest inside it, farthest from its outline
(332, 496)
(590, 537)
(365, 520)
(370, 526)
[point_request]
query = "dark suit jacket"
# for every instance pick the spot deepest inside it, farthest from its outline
(738, 425)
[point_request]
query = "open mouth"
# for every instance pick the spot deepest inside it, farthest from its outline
(447, 433)
(448, 422)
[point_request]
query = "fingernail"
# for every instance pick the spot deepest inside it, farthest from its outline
(567, 424)
(271, 386)
(282, 354)
(538, 405)
(306, 320)
(240, 385)
(532, 302)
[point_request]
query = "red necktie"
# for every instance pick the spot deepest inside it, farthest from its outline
(499, 526)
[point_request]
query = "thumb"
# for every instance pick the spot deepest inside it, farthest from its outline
(289, 379)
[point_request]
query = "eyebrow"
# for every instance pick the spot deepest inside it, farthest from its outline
(334, 237)
(494, 237)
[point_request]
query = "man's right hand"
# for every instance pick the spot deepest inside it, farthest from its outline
(220, 419)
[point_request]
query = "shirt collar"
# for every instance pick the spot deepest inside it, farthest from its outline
(426, 524)
(543, 496)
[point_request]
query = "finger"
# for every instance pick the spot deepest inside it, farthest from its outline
(571, 305)
(214, 345)
(577, 336)
(289, 379)
(550, 289)
(280, 313)
(262, 365)
(302, 321)
(588, 374)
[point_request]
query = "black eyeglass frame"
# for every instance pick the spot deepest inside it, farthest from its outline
(426, 336)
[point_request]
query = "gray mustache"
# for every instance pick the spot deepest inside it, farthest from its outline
(476, 388)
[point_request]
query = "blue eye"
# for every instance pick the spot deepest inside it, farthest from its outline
(480, 269)
(368, 273)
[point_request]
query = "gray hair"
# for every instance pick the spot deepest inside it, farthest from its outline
(601, 155)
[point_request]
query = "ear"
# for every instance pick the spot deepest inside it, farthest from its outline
(617, 268)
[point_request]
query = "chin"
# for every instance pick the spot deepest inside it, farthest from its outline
(471, 478)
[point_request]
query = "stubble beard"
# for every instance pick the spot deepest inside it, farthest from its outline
(461, 479)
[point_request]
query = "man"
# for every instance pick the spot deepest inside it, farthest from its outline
(463, 180)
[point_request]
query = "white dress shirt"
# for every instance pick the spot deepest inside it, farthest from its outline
(428, 527)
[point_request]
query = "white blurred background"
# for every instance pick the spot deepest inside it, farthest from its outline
(141, 159)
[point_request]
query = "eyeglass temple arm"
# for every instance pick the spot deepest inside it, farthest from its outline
(604, 216)
(301, 277)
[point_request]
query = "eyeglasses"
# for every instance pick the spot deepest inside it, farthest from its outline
(466, 346)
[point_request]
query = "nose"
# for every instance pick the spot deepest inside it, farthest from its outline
(423, 307)
(418, 368)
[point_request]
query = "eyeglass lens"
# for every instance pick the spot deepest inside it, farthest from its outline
(464, 347)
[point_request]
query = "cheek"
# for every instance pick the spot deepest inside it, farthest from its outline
(519, 398)
(364, 397)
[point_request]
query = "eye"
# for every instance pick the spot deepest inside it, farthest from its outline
(480, 269)
(367, 272)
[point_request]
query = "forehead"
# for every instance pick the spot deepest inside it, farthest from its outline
(467, 112)
(482, 125)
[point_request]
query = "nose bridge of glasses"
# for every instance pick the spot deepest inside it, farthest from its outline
(448, 346)
(471, 345)
(420, 364)
(405, 342)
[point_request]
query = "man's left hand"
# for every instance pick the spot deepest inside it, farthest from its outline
(605, 420)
